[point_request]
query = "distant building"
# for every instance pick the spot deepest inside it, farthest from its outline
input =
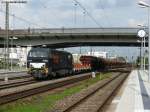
(99, 54)
(113, 57)
(76, 58)
(17, 55)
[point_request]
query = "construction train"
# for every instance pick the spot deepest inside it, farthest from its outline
(44, 63)
(101, 64)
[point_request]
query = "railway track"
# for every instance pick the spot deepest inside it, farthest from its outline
(16, 83)
(13, 76)
(12, 94)
(127, 70)
(24, 75)
(23, 81)
(94, 99)
(27, 79)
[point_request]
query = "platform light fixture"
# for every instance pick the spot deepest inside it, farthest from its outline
(144, 4)
(12, 38)
(144, 42)
(141, 34)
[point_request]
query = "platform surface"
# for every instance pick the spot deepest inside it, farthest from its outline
(136, 95)
(11, 74)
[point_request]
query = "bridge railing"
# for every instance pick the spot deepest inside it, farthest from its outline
(86, 30)
(104, 31)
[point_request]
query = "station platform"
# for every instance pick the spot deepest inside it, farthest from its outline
(12, 74)
(136, 94)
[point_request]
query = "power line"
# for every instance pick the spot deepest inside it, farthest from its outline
(84, 18)
(27, 21)
(88, 13)
(102, 7)
(46, 7)
(75, 14)
(7, 3)
(21, 19)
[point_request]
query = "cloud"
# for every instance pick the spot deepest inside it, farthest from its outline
(58, 13)
(147, 1)
(125, 3)
(134, 23)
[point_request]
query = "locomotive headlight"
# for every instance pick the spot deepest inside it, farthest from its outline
(38, 65)
(46, 70)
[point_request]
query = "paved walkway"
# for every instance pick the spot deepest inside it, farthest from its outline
(11, 74)
(10, 71)
(136, 97)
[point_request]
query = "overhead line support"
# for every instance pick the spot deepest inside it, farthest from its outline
(7, 32)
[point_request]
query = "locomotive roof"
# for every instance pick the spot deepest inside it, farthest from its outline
(48, 49)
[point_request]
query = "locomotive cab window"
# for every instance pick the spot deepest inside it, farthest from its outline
(38, 53)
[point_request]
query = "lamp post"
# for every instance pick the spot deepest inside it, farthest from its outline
(143, 47)
(12, 38)
(19, 55)
(140, 53)
(144, 53)
(142, 64)
(143, 4)
(141, 34)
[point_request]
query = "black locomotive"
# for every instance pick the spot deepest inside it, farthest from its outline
(45, 62)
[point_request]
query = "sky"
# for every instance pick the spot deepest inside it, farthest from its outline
(64, 13)
(130, 53)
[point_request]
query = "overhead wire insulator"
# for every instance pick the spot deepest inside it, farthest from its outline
(75, 14)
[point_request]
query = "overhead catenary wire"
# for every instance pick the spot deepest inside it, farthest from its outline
(75, 14)
(84, 18)
(88, 13)
(44, 5)
(77, 2)
(106, 17)
(22, 19)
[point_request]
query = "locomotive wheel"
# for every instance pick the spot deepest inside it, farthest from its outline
(70, 72)
(54, 74)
